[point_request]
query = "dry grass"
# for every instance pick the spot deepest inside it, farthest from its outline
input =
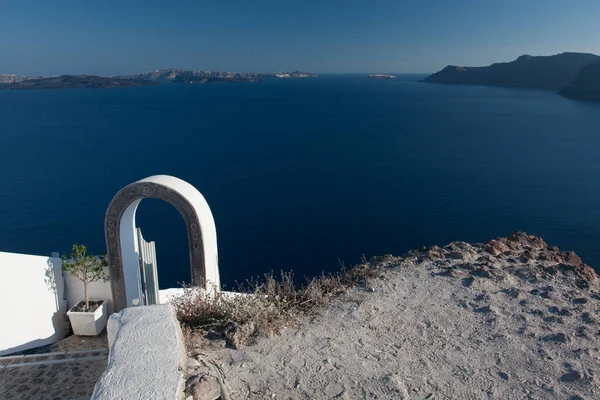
(266, 306)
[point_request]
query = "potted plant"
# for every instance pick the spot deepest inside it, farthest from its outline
(88, 318)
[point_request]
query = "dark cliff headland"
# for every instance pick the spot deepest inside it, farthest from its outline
(573, 75)
(586, 85)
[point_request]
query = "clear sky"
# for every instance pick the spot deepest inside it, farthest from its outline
(113, 37)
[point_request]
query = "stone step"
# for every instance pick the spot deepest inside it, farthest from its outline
(68, 378)
(53, 358)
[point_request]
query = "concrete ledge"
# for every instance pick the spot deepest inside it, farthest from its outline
(147, 356)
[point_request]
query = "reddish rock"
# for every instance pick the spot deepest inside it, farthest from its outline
(550, 256)
(537, 242)
(570, 258)
(523, 255)
(435, 253)
(496, 246)
(581, 271)
(521, 240)
(586, 272)
(462, 245)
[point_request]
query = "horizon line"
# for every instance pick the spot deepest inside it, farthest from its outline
(210, 70)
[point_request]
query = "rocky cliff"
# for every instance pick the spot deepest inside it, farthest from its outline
(586, 85)
(540, 72)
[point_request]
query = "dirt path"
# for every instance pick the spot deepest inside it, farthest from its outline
(454, 323)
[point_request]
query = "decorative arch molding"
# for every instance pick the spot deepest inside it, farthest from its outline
(122, 246)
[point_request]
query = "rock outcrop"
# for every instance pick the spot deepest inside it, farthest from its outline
(520, 254)
(540, 72)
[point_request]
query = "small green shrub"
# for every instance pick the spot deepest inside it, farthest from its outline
(85, 267)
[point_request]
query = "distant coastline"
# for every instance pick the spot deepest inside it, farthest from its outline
(200, 76)
(157, 77)
(74, 81)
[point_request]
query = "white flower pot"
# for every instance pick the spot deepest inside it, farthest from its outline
(88, 323)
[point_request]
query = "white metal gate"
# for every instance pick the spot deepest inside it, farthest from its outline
(148, 271)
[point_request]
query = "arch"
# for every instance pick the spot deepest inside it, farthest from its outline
(121, 243)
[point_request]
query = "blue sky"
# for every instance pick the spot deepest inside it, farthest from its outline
(114, 37)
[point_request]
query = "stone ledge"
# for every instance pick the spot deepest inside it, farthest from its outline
(147, 356)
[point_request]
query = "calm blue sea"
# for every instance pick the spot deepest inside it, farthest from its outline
(303, 173)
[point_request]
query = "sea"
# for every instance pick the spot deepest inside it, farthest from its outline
(306, 175)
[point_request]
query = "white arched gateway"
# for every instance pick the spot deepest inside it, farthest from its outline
(122, 246)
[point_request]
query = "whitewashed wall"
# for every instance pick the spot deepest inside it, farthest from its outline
(35, 295)
(32, 304)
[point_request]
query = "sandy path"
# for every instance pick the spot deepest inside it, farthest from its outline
(436, 329)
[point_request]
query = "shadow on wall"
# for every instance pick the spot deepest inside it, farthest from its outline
(50, 279)
(32, 301)
(36, 307)
(59, 320)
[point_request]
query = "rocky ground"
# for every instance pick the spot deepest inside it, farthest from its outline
(510, 319)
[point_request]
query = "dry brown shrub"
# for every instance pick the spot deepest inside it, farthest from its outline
(265, 306)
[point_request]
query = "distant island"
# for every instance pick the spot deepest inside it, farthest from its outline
(382, 76)
(199, 76)
(74, 81)
(15, 82)
(295, 74)
(559, 72)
